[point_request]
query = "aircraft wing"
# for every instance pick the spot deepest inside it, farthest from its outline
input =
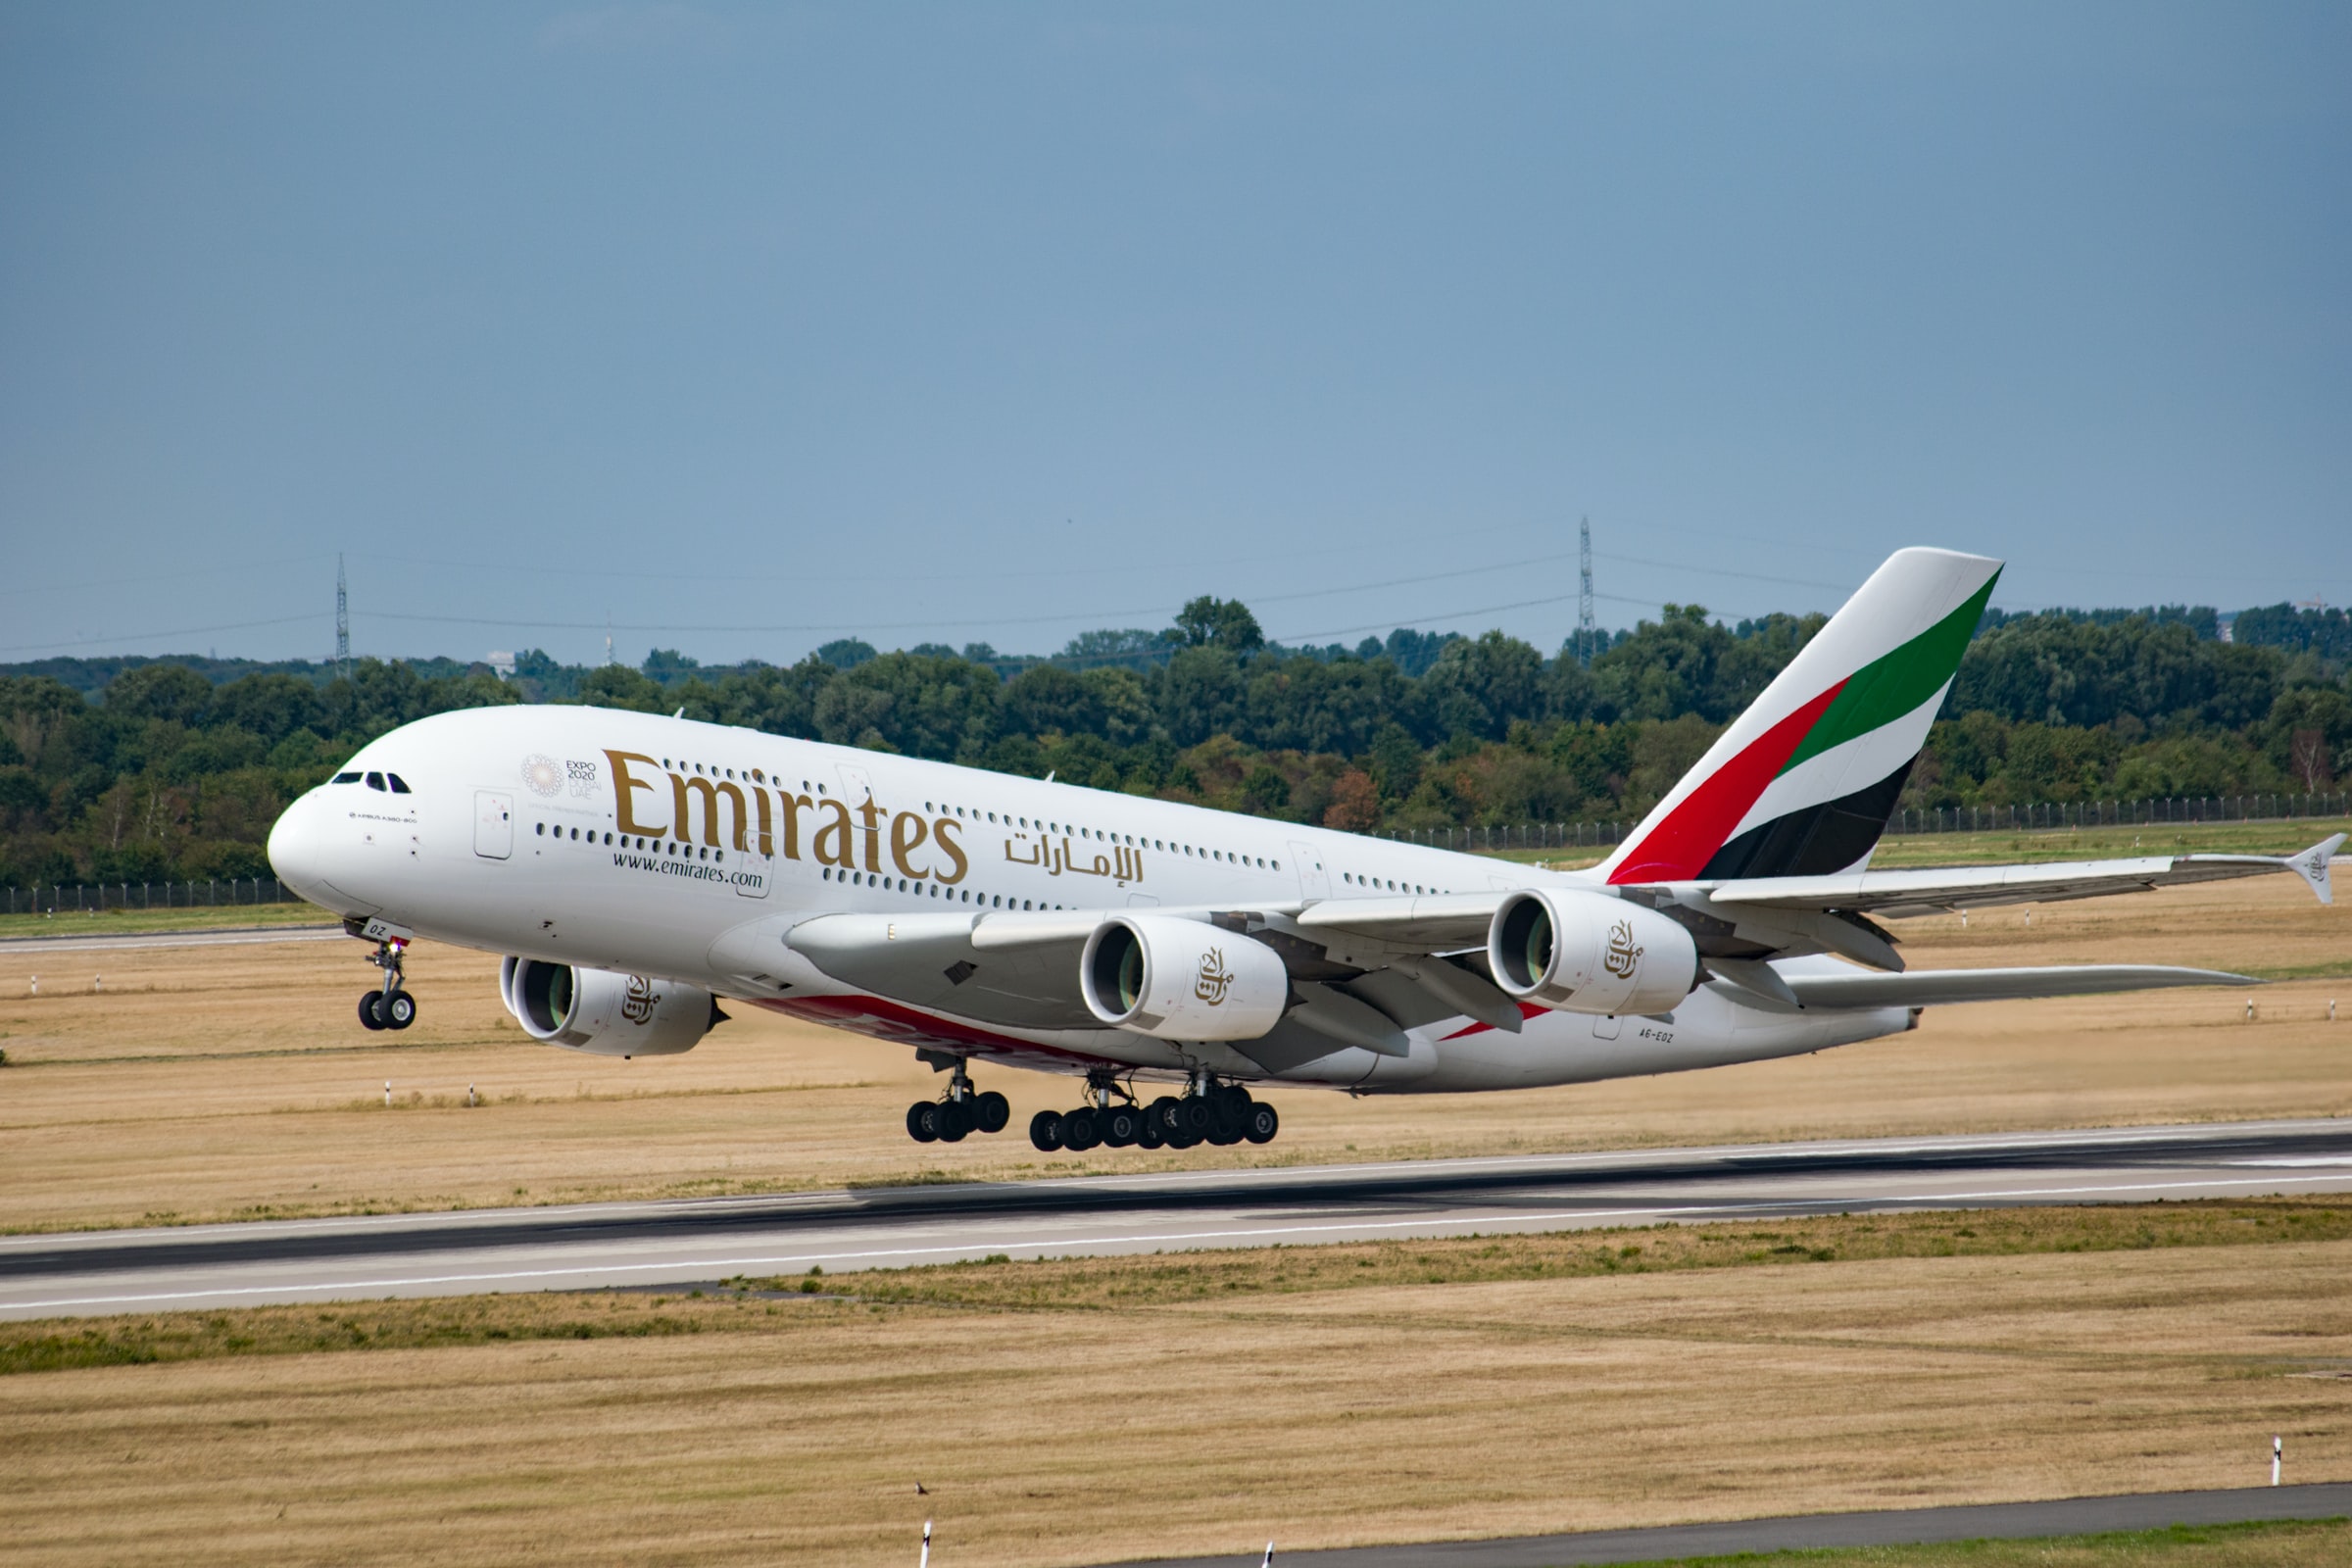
(1939, 890)
(1931, 988)
(1021, 969)
(1015, 968)
(1436, 923)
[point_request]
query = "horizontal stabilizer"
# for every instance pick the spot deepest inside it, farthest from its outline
(1931, 988)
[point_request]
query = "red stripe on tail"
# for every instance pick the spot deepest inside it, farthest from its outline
(1679, 848)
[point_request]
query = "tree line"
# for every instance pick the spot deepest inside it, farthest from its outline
(173, 768)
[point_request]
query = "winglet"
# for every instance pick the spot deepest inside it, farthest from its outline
(2312, 866)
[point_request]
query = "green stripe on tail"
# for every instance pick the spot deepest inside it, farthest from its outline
(1886, 689)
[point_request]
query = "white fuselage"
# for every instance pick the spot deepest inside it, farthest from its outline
(664, 847)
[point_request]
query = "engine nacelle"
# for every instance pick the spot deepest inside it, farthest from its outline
(603, 1014)
(1578, 952)
(1178, 979)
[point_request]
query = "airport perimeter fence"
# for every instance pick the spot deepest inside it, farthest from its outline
(1950, 819)
(2124, 813)
(97, 896)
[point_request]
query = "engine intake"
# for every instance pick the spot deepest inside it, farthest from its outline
(603, 1014)
(1578, 952)
(1178, 979)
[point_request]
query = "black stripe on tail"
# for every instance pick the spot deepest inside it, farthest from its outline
(1815, 841)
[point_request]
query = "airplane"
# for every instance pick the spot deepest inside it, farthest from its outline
(633, 870)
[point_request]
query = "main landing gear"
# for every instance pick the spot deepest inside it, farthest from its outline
(959, 1115)
(389, 1006)
(1210, 1112)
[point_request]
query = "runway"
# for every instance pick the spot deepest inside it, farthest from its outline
(1828, 1532)
(210, 936)
(700, 1242)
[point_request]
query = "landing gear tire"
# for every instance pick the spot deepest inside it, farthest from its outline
(1044, 1131)
(1259, 1124)
(1192, 1117)
(1151, 1136)
(1224, 1130)
(1080, 1130)
(1122, 1126)
(990, 1111)
(1162, 1115)
(389, 1004)
(922, 1121)
(954, 1120)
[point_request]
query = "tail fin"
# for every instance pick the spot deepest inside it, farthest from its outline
(1802, 783)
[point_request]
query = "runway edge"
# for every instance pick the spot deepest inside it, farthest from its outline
(1886, 1527)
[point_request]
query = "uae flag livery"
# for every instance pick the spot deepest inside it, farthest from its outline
(1803, 782)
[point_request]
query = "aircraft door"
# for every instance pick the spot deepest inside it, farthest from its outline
(493, 825)
(1313, 881)
(752, 870)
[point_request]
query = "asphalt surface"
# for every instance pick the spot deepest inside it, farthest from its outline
(701, 1241)
(229, 937)
(1892, 1527)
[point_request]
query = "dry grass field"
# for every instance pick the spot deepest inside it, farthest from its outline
(197, 1083)
(1106, 1409)
(1127, 1407)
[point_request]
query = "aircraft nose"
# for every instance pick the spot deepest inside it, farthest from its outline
(298, 845)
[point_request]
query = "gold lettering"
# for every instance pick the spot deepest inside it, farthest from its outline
(624, 790)
(906, 834)
(791, 804)
(680, 787)
(767, 837)
(838, 831)
(873, 833)
(949, 846)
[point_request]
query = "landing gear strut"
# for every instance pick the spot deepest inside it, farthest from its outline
(959, 1115)
(1209, 1112)
(389, 1006)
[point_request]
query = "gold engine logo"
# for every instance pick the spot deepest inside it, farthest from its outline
(638, 1001)
(1623, 957)
(1215, 979)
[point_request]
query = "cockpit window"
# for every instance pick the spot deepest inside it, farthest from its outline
(400, 786)
(346, 778)
(375, 781)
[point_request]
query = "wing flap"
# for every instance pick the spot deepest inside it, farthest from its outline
(1932, 987)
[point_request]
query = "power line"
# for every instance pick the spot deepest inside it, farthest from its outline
(1455, 614)
(150, 636)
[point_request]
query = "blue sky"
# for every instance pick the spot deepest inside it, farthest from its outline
(743, 327)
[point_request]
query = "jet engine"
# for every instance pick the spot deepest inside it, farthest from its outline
(1178, 979)
(1578, 952)
(603, 1014)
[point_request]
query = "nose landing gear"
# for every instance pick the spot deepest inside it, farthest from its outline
(389, 1006)
(959, 1115)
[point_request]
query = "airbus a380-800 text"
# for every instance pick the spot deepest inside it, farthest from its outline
(634, 870)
